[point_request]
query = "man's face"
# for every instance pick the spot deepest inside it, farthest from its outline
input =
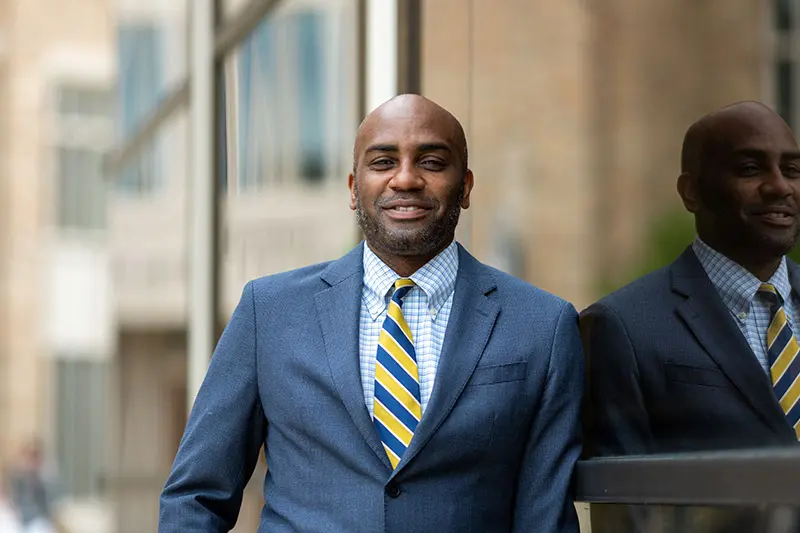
(409, 183)
(749, 188)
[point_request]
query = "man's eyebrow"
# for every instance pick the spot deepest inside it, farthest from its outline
(381, 148)
(749, 152)
(434, 147)
(795, 154)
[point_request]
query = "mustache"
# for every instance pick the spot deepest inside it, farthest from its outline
(427, 202)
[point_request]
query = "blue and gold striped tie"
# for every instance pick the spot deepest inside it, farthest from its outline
(396, 408)
(782, 349)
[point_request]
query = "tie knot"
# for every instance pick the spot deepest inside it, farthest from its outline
(401, 288)
(770, 294)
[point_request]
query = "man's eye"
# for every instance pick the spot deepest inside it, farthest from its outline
(433, 164)
(383, 163)
(749, 169)
(792, 171)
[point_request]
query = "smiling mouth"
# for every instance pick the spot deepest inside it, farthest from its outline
(406, 212)
(777, 218)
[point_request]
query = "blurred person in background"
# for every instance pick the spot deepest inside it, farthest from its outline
(703, 354)
(405, 387)
(9, 522)
(32, 493)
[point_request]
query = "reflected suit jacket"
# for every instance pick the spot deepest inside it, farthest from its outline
(670, 371)
(494, 451)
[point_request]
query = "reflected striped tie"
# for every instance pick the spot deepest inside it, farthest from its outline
(782, 349)
(396, 407)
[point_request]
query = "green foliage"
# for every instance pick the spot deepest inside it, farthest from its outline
(666, 238)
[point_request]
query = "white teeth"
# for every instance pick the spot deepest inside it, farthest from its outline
(403, 208)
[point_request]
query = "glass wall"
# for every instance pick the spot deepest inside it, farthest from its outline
(290, 119)
(575, 114)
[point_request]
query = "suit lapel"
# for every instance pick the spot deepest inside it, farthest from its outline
(710, 321)
(468, 330)
(338, 308)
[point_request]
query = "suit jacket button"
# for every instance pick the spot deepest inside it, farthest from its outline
(392, 489)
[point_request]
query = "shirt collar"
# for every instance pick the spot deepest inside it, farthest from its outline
(735, 284)
(436, 279)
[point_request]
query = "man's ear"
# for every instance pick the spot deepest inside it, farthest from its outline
(351, 183)
(469, 182)
(689, 192)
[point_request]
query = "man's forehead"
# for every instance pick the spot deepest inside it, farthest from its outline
(405, 131)
(752, 131)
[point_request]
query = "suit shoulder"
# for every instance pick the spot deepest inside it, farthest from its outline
(307, 277)
(515, 289)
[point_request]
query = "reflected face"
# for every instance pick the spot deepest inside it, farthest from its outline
(749, 189)
(410, 182)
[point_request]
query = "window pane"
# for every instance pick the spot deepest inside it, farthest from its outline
(141, 87)
(294, 96)
(85, 102)
(291, 113)
(311, 82)
(81, 191)
(783, 14)
(81, 394)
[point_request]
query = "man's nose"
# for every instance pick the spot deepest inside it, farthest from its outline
(407, 177)
(776, 184)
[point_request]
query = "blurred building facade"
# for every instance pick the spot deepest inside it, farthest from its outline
(57, 330)
(574, 111)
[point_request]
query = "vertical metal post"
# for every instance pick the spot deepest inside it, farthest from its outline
(202, 197)
(409, 46)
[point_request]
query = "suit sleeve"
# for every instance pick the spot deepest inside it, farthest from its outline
(616, 417)
(544, 492)
(223, 436)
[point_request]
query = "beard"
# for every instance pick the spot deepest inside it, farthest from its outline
(410, 242)
(734, 231)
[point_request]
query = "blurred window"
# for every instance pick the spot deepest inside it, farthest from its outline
(80, 402)
(294, 98)
(83, 134)
(141, 83)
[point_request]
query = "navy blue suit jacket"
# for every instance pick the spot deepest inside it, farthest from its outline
(494, 451)
(670, 371)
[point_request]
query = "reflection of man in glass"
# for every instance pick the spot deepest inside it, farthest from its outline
(405, 387)
(702, 354)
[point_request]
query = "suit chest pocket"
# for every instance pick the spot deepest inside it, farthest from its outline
(487, 375)
(692, 375)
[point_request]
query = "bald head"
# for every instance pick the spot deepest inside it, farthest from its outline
(710, 132)
(411, 107)
(741, 180)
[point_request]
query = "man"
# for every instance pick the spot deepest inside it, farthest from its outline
(33, 494)
(405, 387)
(701, 354)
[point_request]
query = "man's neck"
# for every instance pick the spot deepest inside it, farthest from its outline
(405, 265)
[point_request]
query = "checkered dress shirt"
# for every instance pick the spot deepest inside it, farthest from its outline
(738, 287)
(426, 309)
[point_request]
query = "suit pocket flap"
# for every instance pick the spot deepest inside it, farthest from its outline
(693, 375)
(485, 375)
